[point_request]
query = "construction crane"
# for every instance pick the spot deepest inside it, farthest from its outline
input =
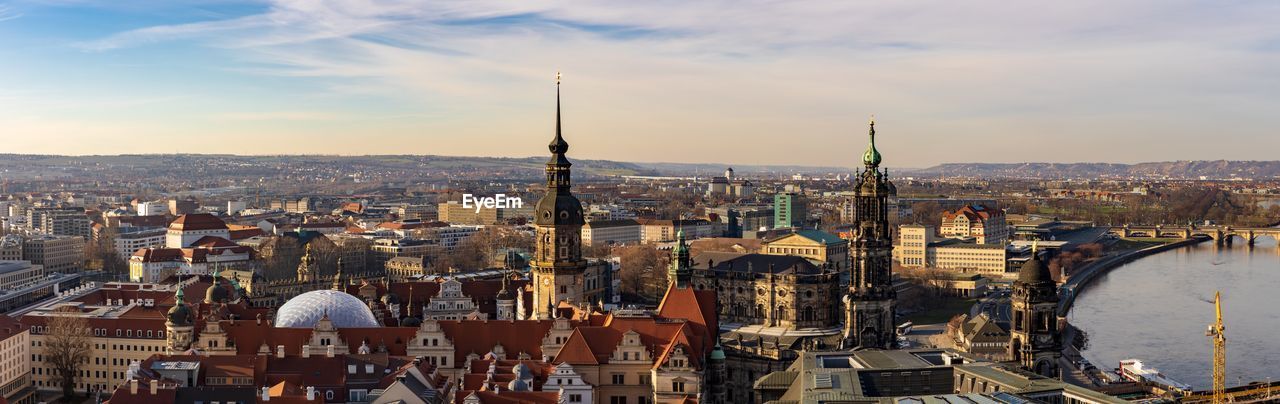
(1216, 333)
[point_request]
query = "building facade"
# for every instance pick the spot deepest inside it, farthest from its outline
(789, 210)
(824, 249)
(985, 225)
(611, 232)
(63, 254)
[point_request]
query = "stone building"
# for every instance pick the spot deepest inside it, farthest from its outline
(822, 248)
(770, 306)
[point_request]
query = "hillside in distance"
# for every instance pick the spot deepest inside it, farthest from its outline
(1212, 169)
(386, 167)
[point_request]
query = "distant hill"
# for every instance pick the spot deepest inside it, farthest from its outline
(15, 166)
(1216, 169)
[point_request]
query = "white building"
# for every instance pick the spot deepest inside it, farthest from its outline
(128, 242)
(611, 232)
(234, 207)
(154, 208)
(187, 229)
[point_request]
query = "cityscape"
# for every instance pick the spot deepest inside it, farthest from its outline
(295, 227)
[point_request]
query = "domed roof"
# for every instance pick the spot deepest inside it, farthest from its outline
(216, 293)
(179, 315)
(410, 322)
(344, 310)
(1034, 271)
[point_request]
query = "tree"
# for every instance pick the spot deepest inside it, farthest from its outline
(478, 250)
(67, 343)
(643, 271)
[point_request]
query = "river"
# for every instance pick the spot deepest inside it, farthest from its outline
(1157, 309)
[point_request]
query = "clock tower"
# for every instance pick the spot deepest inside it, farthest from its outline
(558, 267)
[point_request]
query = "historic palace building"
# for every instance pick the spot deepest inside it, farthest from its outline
(869, 301)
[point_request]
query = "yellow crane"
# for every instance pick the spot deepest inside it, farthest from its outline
(1216, 333)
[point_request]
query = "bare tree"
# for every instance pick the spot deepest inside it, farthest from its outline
(67, 343)
(643, 272)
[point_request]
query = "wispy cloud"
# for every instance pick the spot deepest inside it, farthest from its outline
(7, 13)
(949, 79)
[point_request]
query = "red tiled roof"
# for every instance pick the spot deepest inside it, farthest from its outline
(480, 336)
(197, 221)
(213, 242)
(511, 397)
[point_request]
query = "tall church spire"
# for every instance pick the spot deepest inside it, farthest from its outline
(558, 266)
(558, 146)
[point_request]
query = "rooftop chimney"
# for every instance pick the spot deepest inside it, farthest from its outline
(311, 393)
(266, 393)
(306, 351)
(154, 386)
(279, 351)
(328, 351)
(133, 386)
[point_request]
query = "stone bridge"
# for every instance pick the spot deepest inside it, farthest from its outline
(1219, 234)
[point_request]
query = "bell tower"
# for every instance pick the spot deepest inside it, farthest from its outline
(1034, 339)
(557, 264)
(869, 301)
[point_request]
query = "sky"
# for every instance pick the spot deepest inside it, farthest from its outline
(734, 81)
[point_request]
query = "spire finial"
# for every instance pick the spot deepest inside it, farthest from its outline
(1033, 247)
(558, 145)
(872, 157)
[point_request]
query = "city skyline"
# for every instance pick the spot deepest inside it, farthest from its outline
(698, 82)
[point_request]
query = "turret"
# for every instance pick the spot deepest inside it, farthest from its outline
(680, 273)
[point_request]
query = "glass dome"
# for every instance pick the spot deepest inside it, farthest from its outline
(305, 310)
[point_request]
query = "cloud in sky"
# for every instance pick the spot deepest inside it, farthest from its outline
(726, 81)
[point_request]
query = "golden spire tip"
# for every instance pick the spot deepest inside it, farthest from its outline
(557, 77)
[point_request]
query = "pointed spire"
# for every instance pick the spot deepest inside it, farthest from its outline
(179, 296)
(872, 156)
(558, 145)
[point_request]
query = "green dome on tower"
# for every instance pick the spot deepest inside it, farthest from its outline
(872, 157)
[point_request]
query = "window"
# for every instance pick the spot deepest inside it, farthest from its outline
(575, 398)
(617, 400)
(677, 387)
(619, 378)
(328, 394)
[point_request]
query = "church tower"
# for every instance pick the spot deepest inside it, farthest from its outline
(869, 301)
(558, 266)
(1034, 340)
(178, 325)
(680, 272)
